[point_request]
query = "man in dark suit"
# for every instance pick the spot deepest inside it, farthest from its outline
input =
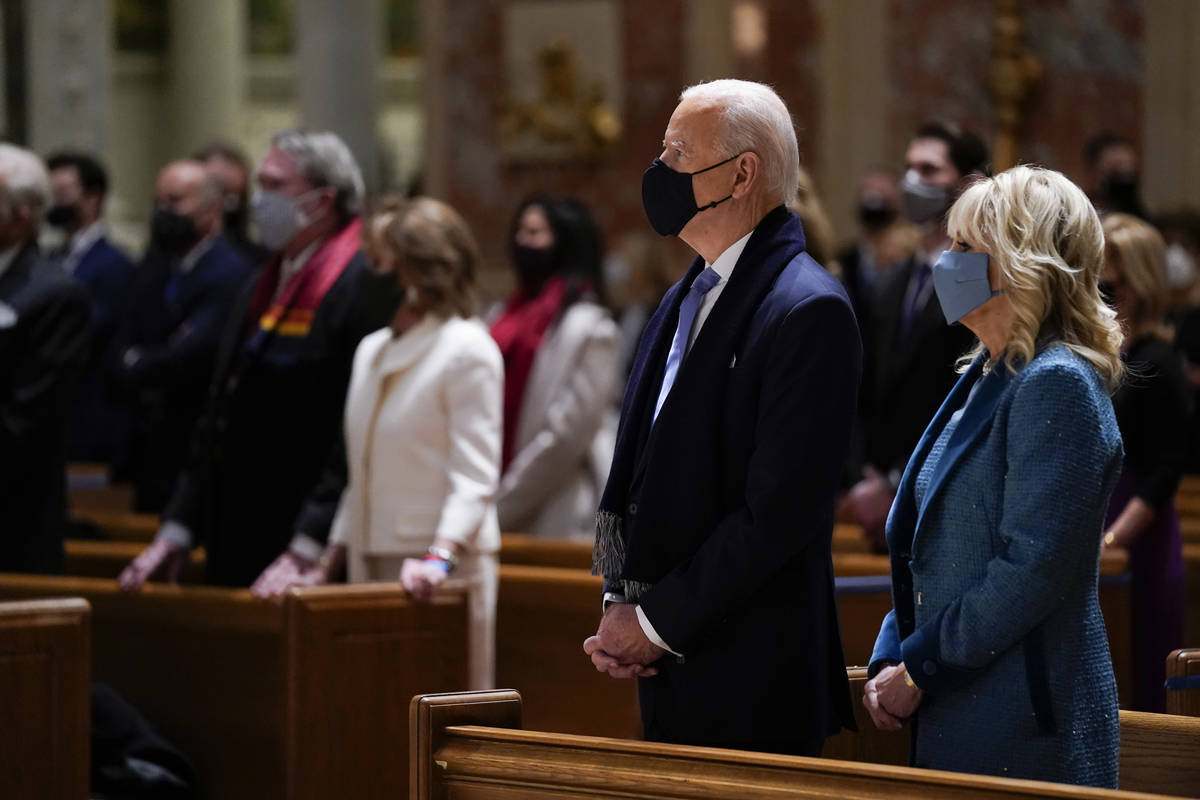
(256, 490)
(100, 419)
(714, 531)
(43, 346)
(181, 300)
(911, 356)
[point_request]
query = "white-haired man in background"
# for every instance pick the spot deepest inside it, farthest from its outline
(714, 531)
(45, 323)
(266, 469)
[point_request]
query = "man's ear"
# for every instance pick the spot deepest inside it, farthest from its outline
(749, 169)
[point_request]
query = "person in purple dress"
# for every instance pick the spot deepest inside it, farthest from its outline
(1153, 407)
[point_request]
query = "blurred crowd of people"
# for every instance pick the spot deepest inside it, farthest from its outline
(310, 384)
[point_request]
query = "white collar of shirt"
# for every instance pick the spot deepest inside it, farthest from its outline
(292, 266)
(7, 257)
(723, 266)
(195, 254)
(80, 243)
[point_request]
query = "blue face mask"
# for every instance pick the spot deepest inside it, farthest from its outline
(961, 282)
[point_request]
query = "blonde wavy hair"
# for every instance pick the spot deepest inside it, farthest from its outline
(1137, 251)
(1043, 234)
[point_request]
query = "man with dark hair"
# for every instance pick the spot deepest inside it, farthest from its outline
(43, 347)
(1113, 174)
(78, 183)
(910, 358)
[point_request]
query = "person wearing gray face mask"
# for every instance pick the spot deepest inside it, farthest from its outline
(273, 417)
(910, 351)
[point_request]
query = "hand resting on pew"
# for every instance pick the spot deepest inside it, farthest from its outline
(620, 646)
(290, 569)
(163, 558)
(890, 699)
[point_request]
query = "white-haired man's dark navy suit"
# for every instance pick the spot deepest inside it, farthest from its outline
(718, 515)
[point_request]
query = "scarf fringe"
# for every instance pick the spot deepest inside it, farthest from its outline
(608, 553)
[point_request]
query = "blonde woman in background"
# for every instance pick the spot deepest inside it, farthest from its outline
(1153, 409)
(423, 429)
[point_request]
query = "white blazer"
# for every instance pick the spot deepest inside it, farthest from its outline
(423, 422)
(567, 429)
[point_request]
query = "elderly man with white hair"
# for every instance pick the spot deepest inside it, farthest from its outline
(266, 467)
(714, 531)
(44, 343)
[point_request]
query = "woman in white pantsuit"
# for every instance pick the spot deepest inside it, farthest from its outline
(423, 429)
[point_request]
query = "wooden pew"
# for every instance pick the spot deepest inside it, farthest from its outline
(472, 745)
(89, 486)
(115, 524)
(298, 699)
(1183, 682)
(45, 699)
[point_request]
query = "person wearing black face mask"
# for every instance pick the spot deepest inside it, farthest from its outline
(1114, 168)
(167, 347)
(100, 418)
(714, 530)
(561, 364)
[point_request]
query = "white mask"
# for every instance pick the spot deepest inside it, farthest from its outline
(922, 202)
(279, 217)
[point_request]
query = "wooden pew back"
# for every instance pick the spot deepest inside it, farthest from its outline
(1183, 682)
(471, 746)
(290, 699)
(45, 699)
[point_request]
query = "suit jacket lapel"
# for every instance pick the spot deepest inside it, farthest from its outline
(409, 348)
(976, 419)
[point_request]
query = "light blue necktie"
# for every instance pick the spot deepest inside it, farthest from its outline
(687, 317)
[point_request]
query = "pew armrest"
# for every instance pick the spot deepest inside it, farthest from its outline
(430, 714)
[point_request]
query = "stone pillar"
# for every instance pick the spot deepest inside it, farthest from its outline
(1171, 108)
(709, 53)
(337, 54)
(853, 103)
(67, 47)
(434, 106)
(206, 68)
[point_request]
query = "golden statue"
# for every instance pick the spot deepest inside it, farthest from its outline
(566, 120)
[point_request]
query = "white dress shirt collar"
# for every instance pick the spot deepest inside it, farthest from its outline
(81, 243)
(290, 267)
(728, 260)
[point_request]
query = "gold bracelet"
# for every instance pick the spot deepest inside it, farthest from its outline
(908, 681)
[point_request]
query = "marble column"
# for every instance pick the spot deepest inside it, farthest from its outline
(67, 82)
(206, 68)
(853, 103)
(709, 53)
(337, 54)
(1171, 106)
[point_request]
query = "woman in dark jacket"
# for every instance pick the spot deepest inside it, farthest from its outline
(1153, 410)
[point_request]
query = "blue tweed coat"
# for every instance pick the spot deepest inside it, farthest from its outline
(994, 578)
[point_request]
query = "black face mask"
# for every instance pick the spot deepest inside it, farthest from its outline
(63, 215)
(1121, 191)
(668, 199)
(172, 233)
(875, 216)
(533, 264)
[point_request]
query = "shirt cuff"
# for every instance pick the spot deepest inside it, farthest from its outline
(175, 534)
(652, 634)
(306, 547)
(610, 598)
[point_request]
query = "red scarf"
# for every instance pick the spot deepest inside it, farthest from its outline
(291, 313)
(518, 332)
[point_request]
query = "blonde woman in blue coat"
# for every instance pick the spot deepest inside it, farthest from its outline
(995, 647)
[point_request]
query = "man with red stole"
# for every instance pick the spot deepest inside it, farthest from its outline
(266, 468)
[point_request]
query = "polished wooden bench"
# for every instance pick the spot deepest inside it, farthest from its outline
(45, 699)
(302, 698)
(472, 745)
(1183, 682)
